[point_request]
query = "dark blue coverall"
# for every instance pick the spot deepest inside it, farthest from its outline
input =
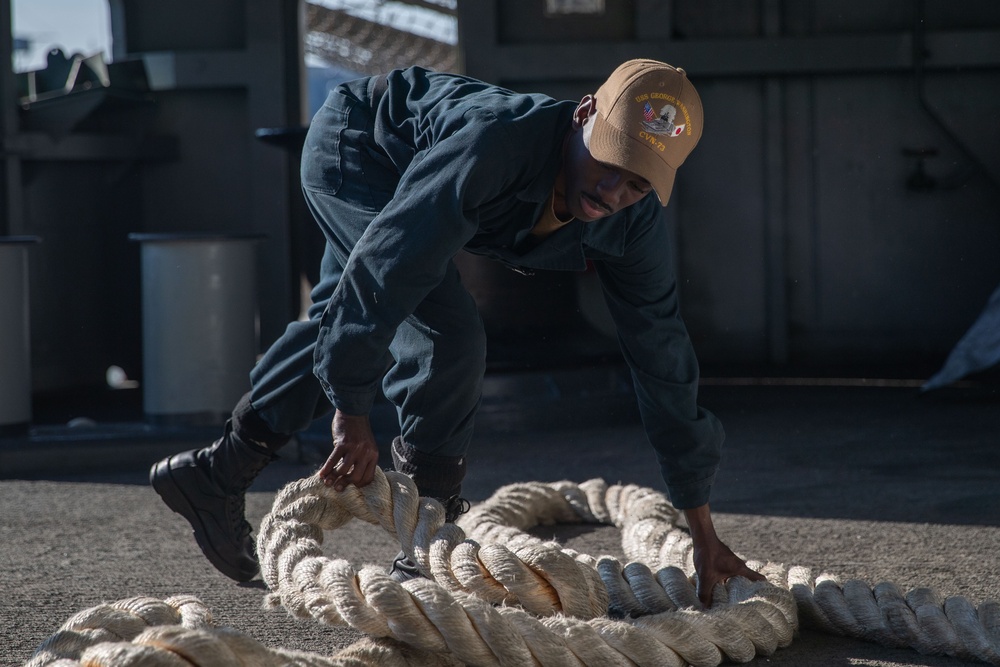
(402, 172)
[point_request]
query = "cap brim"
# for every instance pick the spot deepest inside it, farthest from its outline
(610, 145)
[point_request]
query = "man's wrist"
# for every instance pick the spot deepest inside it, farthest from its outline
(699, 520)
(356, 418)
(353, 425)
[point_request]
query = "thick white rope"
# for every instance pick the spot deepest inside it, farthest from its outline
(502, 597)
(179, 632)
(882, 614)
(553, 602)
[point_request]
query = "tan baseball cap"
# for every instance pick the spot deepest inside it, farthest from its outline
(649, 119)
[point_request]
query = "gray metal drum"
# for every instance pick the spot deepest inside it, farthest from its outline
(199, 324)
(15, 334)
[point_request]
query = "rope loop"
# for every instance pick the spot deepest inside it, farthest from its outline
(497, 595)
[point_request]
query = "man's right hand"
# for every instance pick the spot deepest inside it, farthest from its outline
(355, 453)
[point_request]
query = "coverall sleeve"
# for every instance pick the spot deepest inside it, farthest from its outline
(402, 256)
(641, 292)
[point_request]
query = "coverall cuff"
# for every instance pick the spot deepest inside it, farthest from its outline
(350, 402)
(690, 495)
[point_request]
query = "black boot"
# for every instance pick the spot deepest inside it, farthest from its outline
(208, 488)
(438, 477)
(403, 568)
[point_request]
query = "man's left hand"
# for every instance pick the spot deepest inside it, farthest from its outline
(714, 562)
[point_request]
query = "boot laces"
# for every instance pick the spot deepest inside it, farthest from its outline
(455, 507)
(236, 511)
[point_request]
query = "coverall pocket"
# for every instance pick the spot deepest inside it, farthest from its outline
(322, 155)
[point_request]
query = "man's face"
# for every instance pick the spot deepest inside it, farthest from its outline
(590, 189)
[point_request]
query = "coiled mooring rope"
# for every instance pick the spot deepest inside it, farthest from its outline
(178, 632)
(502, 597)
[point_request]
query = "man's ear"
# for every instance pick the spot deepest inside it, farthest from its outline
(584, 110)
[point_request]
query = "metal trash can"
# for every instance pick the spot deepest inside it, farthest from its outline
(15, 335)
(199, 324)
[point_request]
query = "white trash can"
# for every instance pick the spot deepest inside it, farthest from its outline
(199, 324)
(15, 335)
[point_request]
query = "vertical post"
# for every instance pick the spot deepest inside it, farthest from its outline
(15, 335)
(274, 99)
(775, 194)
(12, 209)
(477, 24)
(199, 324)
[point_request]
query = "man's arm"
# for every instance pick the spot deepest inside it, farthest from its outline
(713, 560)
(641, 292)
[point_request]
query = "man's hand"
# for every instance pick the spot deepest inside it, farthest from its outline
(713, 560)
(355, 453)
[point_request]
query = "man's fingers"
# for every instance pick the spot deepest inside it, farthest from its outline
(746, 571)
(706, 593)
(342, 474)
(706, 589)
(329, 468)
(335, 468)
(361, 474)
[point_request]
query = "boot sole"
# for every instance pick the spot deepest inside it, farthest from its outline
(162, 480)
